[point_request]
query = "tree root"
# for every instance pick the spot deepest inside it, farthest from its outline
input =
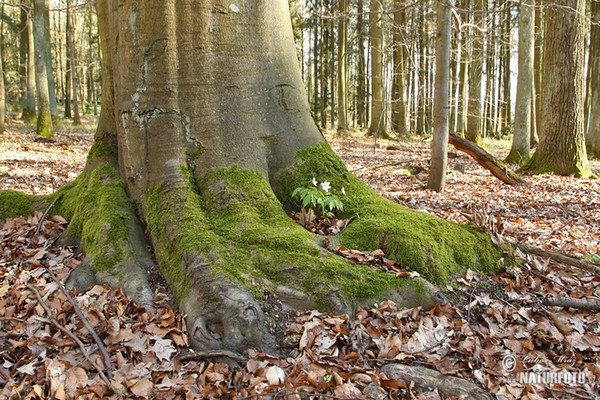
(425, 379)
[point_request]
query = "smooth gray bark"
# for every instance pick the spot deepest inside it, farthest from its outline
(439, 143)
(44, 117)
(474, 118)
(519, 152)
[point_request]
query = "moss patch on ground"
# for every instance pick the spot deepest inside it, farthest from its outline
(434, 247)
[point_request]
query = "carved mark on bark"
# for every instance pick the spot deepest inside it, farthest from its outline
(154, 51)
(286, 97)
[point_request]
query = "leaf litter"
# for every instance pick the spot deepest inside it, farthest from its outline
(490, 320)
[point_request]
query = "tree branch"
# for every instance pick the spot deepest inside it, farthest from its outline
(37, 231)
(85, 322)
(69, 333)
(581, 304)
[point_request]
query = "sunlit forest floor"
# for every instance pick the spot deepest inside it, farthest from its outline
(340, 356)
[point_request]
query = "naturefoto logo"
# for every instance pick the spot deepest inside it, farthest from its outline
(539, 376)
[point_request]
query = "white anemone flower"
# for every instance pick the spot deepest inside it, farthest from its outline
(315, 182)
(343, 191)
(325, 186)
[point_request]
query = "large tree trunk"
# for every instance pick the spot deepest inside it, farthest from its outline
(519, 151)
(562, 145)
(44, 117)
(205, 124)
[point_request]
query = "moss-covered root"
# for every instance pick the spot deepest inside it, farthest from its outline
(434, 247)
(223, 239)
(104, 220)
(220, 312)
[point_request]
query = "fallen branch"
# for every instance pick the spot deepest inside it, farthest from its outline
(486, 160)
(68, 333)
(425, 378)
(562, 258)
(581, 304)
(105, 355)
(212, 354)
(37, 231)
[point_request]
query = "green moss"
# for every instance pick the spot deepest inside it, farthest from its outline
(29, 116)
(100, 149)
(238, 230)
(14, 204)
(99, 211)
(434, 247)
(44, 125)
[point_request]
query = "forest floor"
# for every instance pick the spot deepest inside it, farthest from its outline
(498, 332)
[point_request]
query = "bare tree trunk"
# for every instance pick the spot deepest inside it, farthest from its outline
(439, 144)
(377, 127)
(2, 96)
(399, 106)
(473, 132)
(361, 73)
(46, 46)
(27, 51)
(519, 152)
(506, 106)
(537, 69)
(44, 117)
(463, 94)
(562, 145)
(68, 66)
(342, 66)
(73, 72)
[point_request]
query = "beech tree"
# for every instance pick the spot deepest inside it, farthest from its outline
(473, 132)
(42, 53)
(205, 132)
(593, 95)
(441, 122)
(2, 105)
(519, 151)
(562, 143)
(27, 60)
(378, 122)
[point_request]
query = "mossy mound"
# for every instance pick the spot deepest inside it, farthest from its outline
(434, 247)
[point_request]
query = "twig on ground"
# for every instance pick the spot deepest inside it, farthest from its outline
(70, 334)
(37, 231)
(85, 322)
(582, 304)
(561, 258)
